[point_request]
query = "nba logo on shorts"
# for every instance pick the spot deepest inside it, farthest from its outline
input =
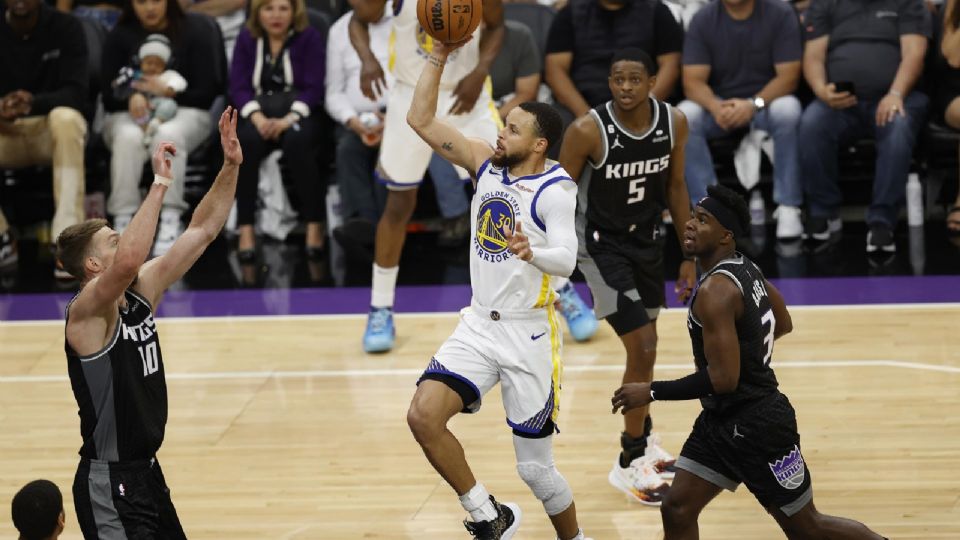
(496, 216)
(789, 469)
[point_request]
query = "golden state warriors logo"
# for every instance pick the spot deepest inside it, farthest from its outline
(496, 217)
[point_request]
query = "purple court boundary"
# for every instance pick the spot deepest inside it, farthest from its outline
(447, 298)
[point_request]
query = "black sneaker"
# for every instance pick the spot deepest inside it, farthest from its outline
(821, 229)
(8, 250)
(880, 239)
(501, 528)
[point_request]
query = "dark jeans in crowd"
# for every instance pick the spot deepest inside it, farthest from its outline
(299, 152)
(360, 195)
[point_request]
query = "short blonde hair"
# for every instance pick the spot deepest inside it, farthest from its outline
(73, 246)
(300, 19)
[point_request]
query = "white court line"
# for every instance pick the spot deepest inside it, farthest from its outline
(336, 373)
(443, 314)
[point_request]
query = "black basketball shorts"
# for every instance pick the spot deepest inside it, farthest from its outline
(758, 446)
(625, 275)
(124, 500)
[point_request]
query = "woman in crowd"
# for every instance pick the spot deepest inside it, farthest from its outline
(276, 81)
(127, 118)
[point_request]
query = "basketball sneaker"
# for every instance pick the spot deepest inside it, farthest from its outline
(502, 528)
(663, 461)
(640, 480)
(380, 334)
(580, 318)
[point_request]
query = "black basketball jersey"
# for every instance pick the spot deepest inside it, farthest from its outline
(754, 332)
(121, 391)
(626, 190)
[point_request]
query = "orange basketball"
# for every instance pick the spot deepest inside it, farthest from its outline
(449, 21)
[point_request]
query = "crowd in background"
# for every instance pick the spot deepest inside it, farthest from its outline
(805, 79)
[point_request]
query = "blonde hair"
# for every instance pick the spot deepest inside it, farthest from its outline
(299, 22)
(73, 246)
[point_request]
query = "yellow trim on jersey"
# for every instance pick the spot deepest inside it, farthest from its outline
(546, 293)
(392, 49)
(494, 112)
(555, 341)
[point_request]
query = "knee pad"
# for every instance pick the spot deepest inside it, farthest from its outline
(547, 485)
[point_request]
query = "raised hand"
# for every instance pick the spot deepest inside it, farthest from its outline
(232, 153)
(161, 163)
(686, 280)
(518, 243)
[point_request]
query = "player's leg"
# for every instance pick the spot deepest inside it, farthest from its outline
(610, 275)
(681, 507)
(170, 527)
(809, 524)
(537, 469)
(701, 475)
(403, 161)
(455, 381)
(434, 404)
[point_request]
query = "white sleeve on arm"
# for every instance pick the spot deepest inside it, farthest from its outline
(336, 101)
(555, 207)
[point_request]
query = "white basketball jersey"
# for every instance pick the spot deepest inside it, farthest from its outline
(410, 46)
(499, 278)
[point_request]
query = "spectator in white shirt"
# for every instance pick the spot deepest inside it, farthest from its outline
(360, 120)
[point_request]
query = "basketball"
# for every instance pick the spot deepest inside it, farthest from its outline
(449, 21)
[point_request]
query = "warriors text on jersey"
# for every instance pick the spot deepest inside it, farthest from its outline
(755, 330)
(626, 190)
(121, 391)
(410, 46)
(499, 278)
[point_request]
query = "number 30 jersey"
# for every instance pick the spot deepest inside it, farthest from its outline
(625, 191)
(499, 278)
(121, 391)
(754, 333)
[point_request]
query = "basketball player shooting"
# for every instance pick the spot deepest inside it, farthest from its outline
(522, 235)
(633, 145)
(113, 350)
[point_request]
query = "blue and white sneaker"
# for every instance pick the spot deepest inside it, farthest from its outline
(581, 320)
(380, 334)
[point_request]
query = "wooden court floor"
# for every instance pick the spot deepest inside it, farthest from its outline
(282, 428)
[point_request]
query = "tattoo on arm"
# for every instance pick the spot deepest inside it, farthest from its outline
(436, 62)
(448, 146)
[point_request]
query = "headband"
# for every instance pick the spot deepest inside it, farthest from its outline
(723, 214)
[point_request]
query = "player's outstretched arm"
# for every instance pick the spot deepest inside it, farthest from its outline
(678, 200)
(445, 139)
(208, 219)
(581, 141)
(132, 247)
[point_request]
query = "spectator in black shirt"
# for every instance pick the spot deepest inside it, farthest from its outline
(584, 36)
(192, 58)
(43, 87)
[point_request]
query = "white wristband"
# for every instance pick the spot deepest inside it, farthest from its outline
(895, 93)
(162, 180)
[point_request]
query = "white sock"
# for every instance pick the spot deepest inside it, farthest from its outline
(477, 502)
(384, 285)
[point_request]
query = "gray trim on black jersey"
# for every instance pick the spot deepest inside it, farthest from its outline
(603, 139)
(105, 514)
(98, 375)
(105, 350)
(702, 471)
(797, 505)
(653, 122)
(673, 139)
(732, 277)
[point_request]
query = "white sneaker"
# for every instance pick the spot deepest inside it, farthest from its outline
(789, 224)
(640, 480)
(168, 233)
(121, 222)
(663, 461)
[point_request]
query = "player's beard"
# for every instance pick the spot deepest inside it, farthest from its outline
(506, 161)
